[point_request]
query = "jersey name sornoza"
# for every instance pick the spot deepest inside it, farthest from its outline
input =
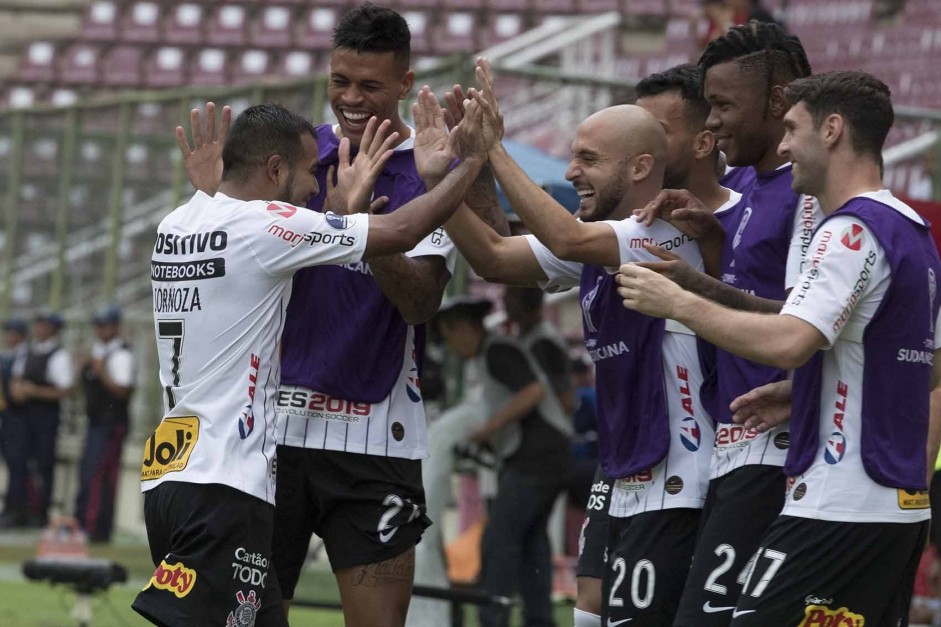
(353, 384)
(769, 232)
(677, 476)
(221, 273)
(841, 294)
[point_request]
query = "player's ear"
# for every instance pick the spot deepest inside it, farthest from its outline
(275, 168)
(641, 168)
(408, 81)
(832, 129)
(777, 103)
(704, 143)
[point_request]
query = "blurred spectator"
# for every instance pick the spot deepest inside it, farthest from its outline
(108, 380)
(717, 16)
(15, 332)
(42, 378)
(743, 11)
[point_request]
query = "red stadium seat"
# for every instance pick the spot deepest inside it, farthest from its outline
(101, 21)
(81, 64)
(252, 65)
(458, 32)
(184, 24)
(123, 66)
(227, 26)
(317, 31)
(272, 28)
(39, 62)
(210, 67)
(165, 68)
(141, 23)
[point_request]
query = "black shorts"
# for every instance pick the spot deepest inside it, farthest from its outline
(211, 545)
(648, 560)
(740, 506)
(593, 540)
(817, 573)
(366, 508)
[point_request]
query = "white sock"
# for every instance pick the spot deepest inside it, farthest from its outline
(586, 619)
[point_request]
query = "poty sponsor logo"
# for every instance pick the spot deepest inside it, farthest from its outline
(821, 616)
(853, 237)
(175, 578)
(285, 211)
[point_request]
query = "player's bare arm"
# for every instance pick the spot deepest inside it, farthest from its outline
(203, 160)
(787, 342)
(492, 256)
(549, 221)
(418, 218)
(934, 422)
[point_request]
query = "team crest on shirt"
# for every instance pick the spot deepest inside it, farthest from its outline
(836, 448)
(853, 237)
(587, 302)
(690, 434)
(244, 615)
(339, 222)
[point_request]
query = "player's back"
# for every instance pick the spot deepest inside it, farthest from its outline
(221, 273)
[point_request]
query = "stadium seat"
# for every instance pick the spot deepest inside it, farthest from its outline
(598, 6)
(80, 64)
(41, 157)
(553, 6)
(416, 5)
(227, 26)
(39, 62)
(297, 63)
(466, 5)
(210, 67)
(272, 28)
(184, 24)
(100, 22)
(122, 66)
(457, 32)
(317, 30)
(141, 23)
(252, 66)
(500, 27)
(497, 6)
(62, 97)
(155, 118)
(420, 28)
(16, 97)
(165, 68)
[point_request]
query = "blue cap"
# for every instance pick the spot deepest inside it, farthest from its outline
(52, 317)
(109, 314)
(16, 324)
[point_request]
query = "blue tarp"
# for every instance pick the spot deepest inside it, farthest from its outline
(545, 170)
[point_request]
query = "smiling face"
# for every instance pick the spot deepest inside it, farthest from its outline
(803, 146)
(739, 113)
(366, 84)
(599, 171)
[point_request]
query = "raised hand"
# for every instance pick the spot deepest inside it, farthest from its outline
(434, 147)
(484, 74)
(681, 209)
(454, 106)
(470, 140)
(764, 407)
(356, 179)
(203, 161)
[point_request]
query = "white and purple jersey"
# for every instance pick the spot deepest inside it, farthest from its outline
(860, 409)
(653, 433)
(351, 366)
(767, 236)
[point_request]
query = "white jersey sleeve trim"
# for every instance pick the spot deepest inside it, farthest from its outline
(561, 275)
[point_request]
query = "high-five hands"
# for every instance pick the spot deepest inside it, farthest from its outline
(435, 147)
(356, 179)
(203, 161)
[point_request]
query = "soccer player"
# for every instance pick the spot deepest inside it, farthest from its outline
(649, 432)
(222, 269)
(674, 98)
(860, 331)
(352, 431)
(768, 232)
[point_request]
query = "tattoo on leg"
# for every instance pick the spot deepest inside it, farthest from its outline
(396, 570)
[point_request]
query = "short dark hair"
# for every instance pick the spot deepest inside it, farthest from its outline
(371, 28)
(864, 102)
(260, 132)
(685, 78)
(759, 46)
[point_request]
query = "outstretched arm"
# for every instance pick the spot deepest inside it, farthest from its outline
(203, 161)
